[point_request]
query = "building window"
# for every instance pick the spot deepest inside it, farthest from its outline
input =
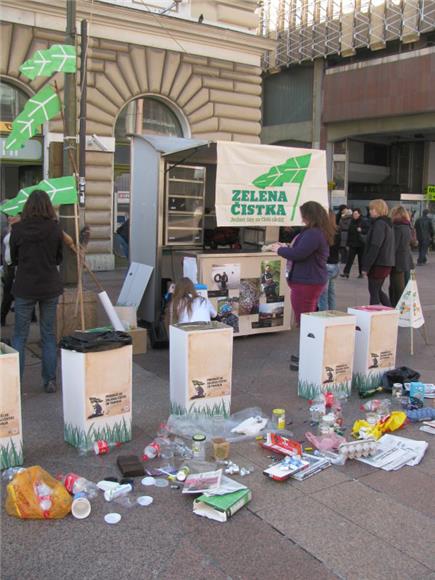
(144, 116)
(12, 101)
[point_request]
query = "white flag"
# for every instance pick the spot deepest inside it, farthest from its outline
(409, 306)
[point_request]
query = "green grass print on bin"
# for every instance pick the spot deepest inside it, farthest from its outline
(10, 455)
(120, 432)
(210, 410)
(364, 383)
(310, 391)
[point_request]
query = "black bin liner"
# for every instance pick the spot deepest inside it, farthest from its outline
(399, 375)
(95, 341)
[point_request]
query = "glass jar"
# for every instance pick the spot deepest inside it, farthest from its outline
(198, 446)
(221, 448)
(396, 392)
(278, 418)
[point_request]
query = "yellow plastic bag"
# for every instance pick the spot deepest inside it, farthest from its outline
(394, 421)
(34, 495)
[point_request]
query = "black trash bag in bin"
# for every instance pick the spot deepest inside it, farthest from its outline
(95, 341)
(399, 375)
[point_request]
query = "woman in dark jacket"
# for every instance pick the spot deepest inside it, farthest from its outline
(379, 255)
(36, 251)
(403, 257)
(358, 229)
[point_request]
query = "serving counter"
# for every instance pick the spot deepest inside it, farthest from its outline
(248, 289)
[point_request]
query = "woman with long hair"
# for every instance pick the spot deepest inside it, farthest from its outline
(403, 256)
(379, 256)
(188, 306)
(327, 300)
(307, 272)
(36, 251)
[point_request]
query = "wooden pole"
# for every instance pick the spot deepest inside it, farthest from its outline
(79, 270)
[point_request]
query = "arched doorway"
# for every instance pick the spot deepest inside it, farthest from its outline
(144, 115)
(24, 167)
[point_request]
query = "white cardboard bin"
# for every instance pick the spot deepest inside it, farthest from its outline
(97, 396)
(11, 438)
(375, 344)
(201, 359)
(326, 346)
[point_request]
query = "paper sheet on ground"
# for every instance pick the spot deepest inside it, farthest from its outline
(394, 452)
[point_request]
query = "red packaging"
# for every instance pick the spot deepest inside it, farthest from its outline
(101, 447)
(69, 481)
(282, 445)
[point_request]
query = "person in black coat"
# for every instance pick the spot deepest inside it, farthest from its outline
(425, 234)
(379, 257)
(356, 235)
(36, 251)
(403, 257)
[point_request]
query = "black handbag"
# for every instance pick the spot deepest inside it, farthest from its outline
(95, 341)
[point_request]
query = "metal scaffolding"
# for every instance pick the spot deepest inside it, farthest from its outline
(308, 29)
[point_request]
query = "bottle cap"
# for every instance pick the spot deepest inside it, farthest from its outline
(199, 437)
(278, 411)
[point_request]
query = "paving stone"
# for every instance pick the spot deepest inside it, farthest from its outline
(409, 531)
(409, 486)
(342, 545)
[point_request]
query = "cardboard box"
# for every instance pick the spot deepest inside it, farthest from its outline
(67, 322)
(127, 315)
(97, 396)
(11, 438)
(140, 340)
(201, 359)
(375, 345)
(221, 507)
(326, 349)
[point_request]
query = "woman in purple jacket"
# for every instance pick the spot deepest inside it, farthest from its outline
(307, 259)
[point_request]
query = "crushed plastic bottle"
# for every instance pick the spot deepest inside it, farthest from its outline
(151, 451)
(76, 484)
(44, 494)
(99, 447)
(11, 472)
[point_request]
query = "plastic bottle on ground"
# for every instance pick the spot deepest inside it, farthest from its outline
(76, 484)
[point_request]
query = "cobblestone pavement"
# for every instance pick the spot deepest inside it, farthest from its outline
(350, 522)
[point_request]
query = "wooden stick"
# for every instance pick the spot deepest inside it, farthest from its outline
(79, 270)
(412, 340)
(70, 243)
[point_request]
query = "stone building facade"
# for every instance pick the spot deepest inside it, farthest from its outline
(209, 75)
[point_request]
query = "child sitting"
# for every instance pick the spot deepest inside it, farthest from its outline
(188, 306)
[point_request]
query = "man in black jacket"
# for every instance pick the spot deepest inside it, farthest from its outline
(424, 232)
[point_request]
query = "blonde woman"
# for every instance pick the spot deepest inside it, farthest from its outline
(380, 251)
(403, 257)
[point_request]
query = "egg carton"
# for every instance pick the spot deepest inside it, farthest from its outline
(358, 449)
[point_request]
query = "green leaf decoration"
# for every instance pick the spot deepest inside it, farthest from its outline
(61, 190)
(57, 58)
(292, 171)
(40, 108)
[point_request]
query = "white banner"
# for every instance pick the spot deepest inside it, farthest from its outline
(409, 306)
(264, 185)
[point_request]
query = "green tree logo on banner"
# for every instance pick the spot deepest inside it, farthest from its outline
(58, 58)
(293, 170)
(60, 190)
(40, 108)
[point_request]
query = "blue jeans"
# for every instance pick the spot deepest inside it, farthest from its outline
(47, 316)
(423, 247)
(327, 298)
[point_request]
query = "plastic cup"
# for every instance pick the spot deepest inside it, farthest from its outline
(81, 508)
(221, 448)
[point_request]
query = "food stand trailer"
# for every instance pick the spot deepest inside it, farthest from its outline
(187, 194)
